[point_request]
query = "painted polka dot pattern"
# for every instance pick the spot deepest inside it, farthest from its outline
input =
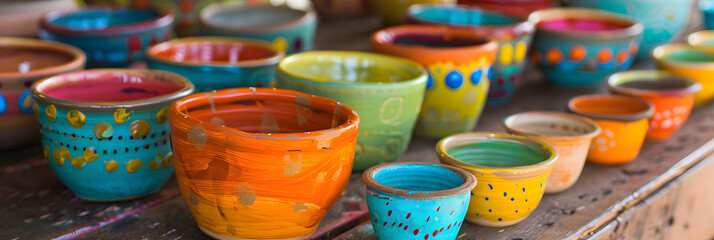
(476, 76)
(454, 79)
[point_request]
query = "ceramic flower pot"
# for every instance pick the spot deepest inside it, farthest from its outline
(662, 20)
(515, 8)
(259, 158)
(624, 122)
(671, 96)
(691, 62)
(511, 172)
(108, 42)
(105, 132)
(408, 200)
(342, 8)
(707, 9)
(570, 135)
(230, 62)
(513, 37)
(580, 47)
(395, 12)
(459, 62)
(289, 29)
(385, 90)
(23, 62)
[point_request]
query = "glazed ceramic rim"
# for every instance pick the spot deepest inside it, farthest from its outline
(418, 79)
(696, 39)
(78, 56)
(164, 19)
(273, 59)
(385, 39)
(520, 26)
(144, 103)
(614, 83)
(631, 31)
(254, 93)
(660, 52)
(627, 118)
(448, 159)
(468, 185)
(307, 16)
(507, 124)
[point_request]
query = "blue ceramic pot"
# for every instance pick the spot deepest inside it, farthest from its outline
(662, 20)
(108, 150)
(290, 30)
(417, 200)
(580, 47)
(513, 37)
(230, 62)
(109, 37)
(707, 8)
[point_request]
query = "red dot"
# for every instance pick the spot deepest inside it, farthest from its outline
(408, 215)
(427, 218)
(416, 231)
(400, 224)
(405, 227)
(447, 228)
(434, 233)
(387, 203)
(389, 213)
(426, 236)
(442, 229)
(501, 81)
(463, 201)
(384, 224)
(452, 212)
(375, 220)
(437, 209)
(394, 223)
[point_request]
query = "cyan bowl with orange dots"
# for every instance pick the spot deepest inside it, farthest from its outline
(584, 58)
(108, 151)
(505, 195)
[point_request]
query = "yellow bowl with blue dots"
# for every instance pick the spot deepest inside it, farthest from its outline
(511, 172)
(105, 132)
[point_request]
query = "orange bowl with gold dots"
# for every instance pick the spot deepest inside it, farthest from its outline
(511, 172)
(105, 132)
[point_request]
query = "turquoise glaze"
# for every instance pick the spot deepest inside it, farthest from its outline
(662, 19)
(112, 171)
(513, 37)
(707, 8)
(288, 29)
(110, 38)
(409, 212)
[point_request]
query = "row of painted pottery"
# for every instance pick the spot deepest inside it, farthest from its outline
(22, 62)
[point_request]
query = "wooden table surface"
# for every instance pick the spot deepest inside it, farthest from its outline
(35, 205)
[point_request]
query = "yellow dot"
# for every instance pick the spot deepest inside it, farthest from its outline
(280, 44)
(103, 130)
(76, 118)
(169, 160)
(521, 49)
(121, 116)
(78, 162)
(111, 165)
(133, 165)
(51, 111)
(139, 128)
(47, 152)
(162, 115)
(89, 155)
(35, 108)
(506, 54)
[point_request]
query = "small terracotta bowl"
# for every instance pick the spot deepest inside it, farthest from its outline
(260, 163)
(409, 200)
(105, 131)
(511, 172)
(110, 37)
(569, 134)
(513, 37)
(624, 122)
(515, 8)
(671, 96)
(460, 64)
(230, 62)
(290, 30)
(24, 61)
(580, 47)
(691, 62)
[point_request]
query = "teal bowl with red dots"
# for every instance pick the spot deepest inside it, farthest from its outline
(410, 200)
(105, 132)
(579, 47)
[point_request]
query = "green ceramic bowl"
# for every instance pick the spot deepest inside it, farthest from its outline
(386, 92)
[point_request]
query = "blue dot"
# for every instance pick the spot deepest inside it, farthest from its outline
(516, 211)
(541, 185)
(524, 189)
(489, 74)
(486, 198)
(454, 80)
(472, 193)
(429, 81)
(512, 199)
(476, 76)
(491, 187)
(21, 99)
(500, 219)
(505, 194)
(3, 104)
(477, 214)
(526, 200)
(489, 210)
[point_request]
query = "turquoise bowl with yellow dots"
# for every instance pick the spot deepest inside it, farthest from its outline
(105, 132)
(580, 47)
(513, 36)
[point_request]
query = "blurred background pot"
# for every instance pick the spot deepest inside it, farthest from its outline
(691, 62)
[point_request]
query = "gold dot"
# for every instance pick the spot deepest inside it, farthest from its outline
(51, 111)
(506, 54)
(139, 128)
(111, 165)
(133, 165)
(520, 52)
(168, 160)
(121, 116)
(76, 118)
(78, 162)
(103, 130)
(162, 115)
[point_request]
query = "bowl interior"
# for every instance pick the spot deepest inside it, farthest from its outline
(350, 68)
(98, 19)
(576, 20)
(242, 16)
(419, 177)
(558, 125)
(567, 24)
(608, 105)
(268, 113)
(207, 52)
(494, 151)
(649, 80)
(433, 40)
(460, 16)
(23, 59)
(106, 86)
(688, 55)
